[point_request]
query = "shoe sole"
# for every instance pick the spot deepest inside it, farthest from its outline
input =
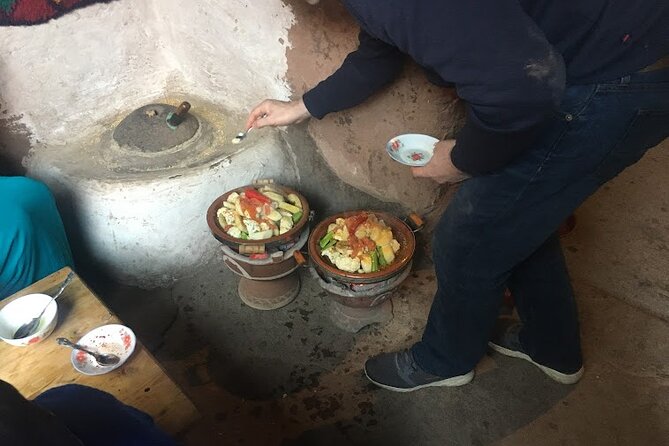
(448, 382)
(560, 377)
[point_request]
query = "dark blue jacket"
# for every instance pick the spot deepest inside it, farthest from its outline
(98, 419)
(510, 60)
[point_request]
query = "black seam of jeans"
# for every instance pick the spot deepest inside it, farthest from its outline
(586, 103)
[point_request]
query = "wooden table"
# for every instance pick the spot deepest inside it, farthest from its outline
(140, 382)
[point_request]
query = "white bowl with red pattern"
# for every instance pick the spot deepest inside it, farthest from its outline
(24, 309)
(412, 149)
(112, 339)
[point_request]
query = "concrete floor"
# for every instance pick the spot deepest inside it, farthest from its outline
(288, 377)
(622, 241)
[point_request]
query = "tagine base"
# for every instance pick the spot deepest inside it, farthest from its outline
(269, 294)
(352, 320)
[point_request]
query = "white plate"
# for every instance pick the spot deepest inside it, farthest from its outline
(412, 149)
(116, 339)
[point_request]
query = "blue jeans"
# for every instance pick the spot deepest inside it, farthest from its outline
(500, 229)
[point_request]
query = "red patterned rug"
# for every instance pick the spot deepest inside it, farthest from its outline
(32, 12)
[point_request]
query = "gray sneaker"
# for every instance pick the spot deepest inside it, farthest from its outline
(399, 372)
(506, 341)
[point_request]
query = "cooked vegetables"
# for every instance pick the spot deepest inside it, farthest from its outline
(379, 254)
(361, 243)
(294, 200)
(326, 239)
(375, 261)
(274, 196)
(258, 214)
(289, 207)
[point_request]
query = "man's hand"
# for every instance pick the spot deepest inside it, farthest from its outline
(274, 113)
(440, 168)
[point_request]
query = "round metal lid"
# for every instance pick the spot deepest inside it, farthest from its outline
(147, 129)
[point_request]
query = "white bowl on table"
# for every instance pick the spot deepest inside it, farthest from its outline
(24, 309)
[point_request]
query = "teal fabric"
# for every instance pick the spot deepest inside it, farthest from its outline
(33, 243)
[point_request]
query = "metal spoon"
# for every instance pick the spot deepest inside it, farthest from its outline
(30, 327)
(241, 135)
(102, 359)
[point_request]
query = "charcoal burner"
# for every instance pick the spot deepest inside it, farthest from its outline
(267, 283)
(356, 305)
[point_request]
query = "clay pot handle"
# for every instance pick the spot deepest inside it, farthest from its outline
(416, 222)
(299, 258)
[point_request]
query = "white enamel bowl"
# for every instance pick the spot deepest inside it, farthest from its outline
(24, 309)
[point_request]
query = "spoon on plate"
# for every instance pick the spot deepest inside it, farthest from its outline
(30, 327)
(102, 359)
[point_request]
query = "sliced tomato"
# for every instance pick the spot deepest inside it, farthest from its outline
(353, 222)
(254, 194)
(368, 244)
(248, 206)
(355, 244)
